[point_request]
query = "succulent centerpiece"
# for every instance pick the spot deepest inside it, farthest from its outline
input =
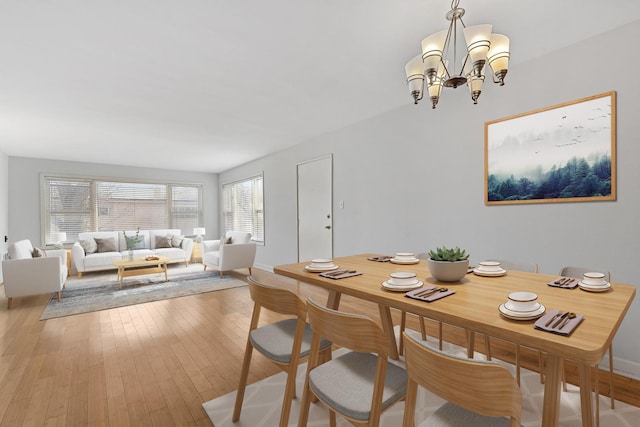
(448, 265)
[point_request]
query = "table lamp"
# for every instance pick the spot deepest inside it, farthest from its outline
(199, 231)
(58, 238)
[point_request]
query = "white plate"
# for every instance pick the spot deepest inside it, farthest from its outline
(320, 269)
(508, 303)
(402, 261)
(401, 288)
(519, 315)
(490, 273)
(591, 288)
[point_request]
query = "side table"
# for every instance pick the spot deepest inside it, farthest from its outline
(196, 253)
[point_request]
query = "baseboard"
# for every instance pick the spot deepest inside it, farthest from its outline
(622, 367)
(264, 267)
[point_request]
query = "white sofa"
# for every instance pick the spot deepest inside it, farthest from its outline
(240, 252)
(103, 259)
(25, 275)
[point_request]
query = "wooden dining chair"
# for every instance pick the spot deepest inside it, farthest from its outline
(578, 273)
(286, 342)
(479, 393)
(359, 384)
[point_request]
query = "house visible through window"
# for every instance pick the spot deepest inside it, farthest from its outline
(74, 205)
(243, 207)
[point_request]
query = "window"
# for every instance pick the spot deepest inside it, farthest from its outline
(243, 207)
(74, 205)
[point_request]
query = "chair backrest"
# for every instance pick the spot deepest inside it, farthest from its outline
(238, 236)
(22, 249)
(353, 331)
(578, 272)
(278, 300)
(483, 387)
(517, 266)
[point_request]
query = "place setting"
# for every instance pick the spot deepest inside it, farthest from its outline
(402, 281)
(522, 306)
(381, 258)
(404, 258)
(559, 322)
(321, 266)
(489, 269)
(564, 282)
(594, 282)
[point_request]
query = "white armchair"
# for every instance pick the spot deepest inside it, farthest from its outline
(24, 275)
(222, 256)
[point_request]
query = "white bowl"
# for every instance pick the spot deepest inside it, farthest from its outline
(523, 301)
(403, 278)
(404, 255)
(489, 266)
(594, 279)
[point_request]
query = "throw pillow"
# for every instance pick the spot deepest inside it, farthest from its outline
(90, 246)
(163, 242)
(176, 241)
(38, 253)
(107, 244)
(229, 241)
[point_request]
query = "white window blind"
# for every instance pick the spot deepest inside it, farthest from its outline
(243, 207)
(75, 205)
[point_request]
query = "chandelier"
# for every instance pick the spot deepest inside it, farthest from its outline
(436, 66)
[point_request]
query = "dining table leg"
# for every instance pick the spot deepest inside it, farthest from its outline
(584, 371)
(333, 300)
(552, 384)
(387, 327)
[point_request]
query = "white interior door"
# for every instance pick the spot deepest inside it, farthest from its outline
(315, 214)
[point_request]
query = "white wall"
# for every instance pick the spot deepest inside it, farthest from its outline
(413, 179)
(24, 192)
(4, 203)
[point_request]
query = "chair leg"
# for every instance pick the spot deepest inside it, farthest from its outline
(541, 367)
(221, 274)
(205, 267)
(487, 346)
(244, 374)
(440, 336)
(613, 402)
(403, 324)
(9, 302)
(596, 389)
(518, 363)
(289, 395)
(59, 296)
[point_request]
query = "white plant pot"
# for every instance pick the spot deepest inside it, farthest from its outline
(448, 271)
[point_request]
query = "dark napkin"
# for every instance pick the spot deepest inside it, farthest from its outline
(340, 276)
(430, 297)
(570, 285)
(380, 258)
(566, 330)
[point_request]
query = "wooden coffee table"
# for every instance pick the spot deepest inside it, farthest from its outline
(138, 266)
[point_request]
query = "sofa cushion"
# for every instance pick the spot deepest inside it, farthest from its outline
(211, 258)
(174, 254)
(163, 241)
(162, 232)
(101, 259)
(106, 245)
(89, 245)
(176, 241)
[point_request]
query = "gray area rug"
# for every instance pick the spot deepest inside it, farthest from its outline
(87, 295)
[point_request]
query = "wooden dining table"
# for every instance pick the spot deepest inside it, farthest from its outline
(474, 307)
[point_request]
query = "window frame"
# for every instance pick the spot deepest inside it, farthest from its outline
(94, 206)
(256, 213)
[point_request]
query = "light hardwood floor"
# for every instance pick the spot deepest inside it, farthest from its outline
(153, 364)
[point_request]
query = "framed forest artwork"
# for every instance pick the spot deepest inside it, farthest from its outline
(563, 153)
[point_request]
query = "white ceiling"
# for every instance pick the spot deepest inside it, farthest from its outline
(207, 85)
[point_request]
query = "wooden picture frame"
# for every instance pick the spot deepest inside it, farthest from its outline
(562, 153)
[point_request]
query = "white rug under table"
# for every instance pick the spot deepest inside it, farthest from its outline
(263, 400)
